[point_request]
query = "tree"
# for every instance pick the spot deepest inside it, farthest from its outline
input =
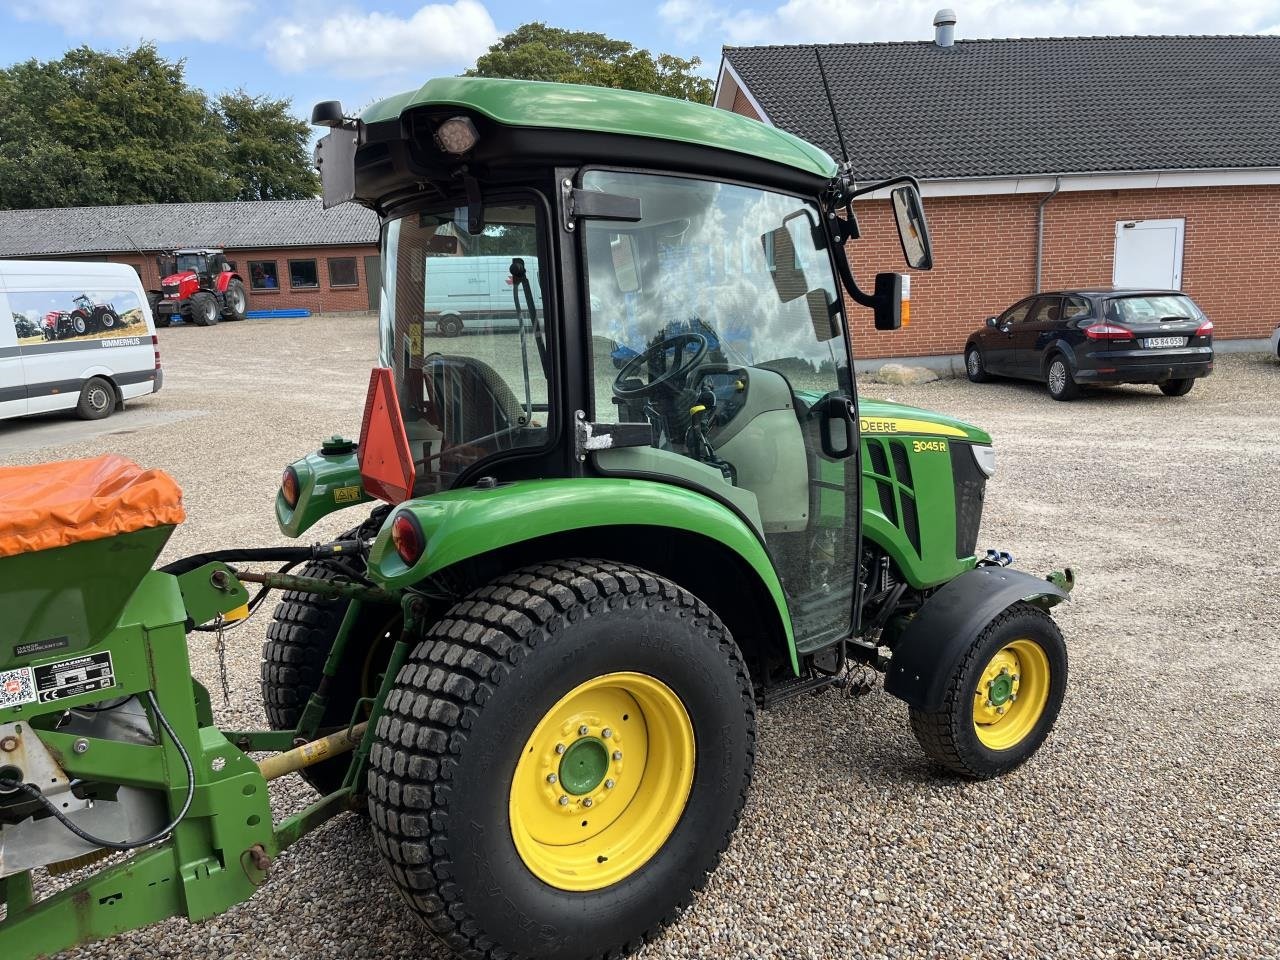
(103, 128)
(536, 51)
(268, 148)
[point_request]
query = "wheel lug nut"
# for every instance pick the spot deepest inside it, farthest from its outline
(551, 778)
(609, 784)
(583, 730)
(617, 754)
(1014, 678)
(606, 733)
(1004, 671)
(1013, 698)
(1000, 710)
(587, 802)
(559, 748)
(564, 801)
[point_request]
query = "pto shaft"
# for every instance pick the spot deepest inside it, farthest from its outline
(312, 753)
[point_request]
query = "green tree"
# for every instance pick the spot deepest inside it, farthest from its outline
(268, 148)
(536, 51)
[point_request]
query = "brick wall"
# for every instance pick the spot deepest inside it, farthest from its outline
(984, 251)
(326, 298)
(743, 106)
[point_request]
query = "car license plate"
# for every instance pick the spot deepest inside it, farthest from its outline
(1158, 343)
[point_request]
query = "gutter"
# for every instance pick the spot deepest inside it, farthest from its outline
(1057, 185)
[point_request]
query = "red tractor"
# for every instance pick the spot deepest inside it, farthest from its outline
(198, 285)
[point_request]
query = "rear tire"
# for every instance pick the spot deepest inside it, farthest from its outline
(237, 302)
(1177, 388)
(97, 399)
(1062, 385)
(458, 788)
(965, 736)
(204, 309)
(974, 366)
(299, 638)
(108, 319)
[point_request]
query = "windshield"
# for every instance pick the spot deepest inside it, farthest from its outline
(1158, 307)
(463, 329)
(190, 261)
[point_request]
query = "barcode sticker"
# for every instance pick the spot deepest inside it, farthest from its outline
(17, 687)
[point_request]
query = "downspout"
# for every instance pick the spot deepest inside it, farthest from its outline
(1057, 185)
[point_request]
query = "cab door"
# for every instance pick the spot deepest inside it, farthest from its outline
(13, 383)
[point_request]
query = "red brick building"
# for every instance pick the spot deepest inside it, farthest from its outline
(1046, 164)
(292, 253)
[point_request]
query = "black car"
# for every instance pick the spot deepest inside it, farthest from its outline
(1076, 337)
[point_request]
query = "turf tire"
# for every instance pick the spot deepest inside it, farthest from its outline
(947, 734)
(459, 715)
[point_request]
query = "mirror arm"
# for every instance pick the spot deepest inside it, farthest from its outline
(850, 283)
(847, 182)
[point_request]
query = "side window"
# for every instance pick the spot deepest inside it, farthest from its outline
(1016, 313)
(263, 275)
(342, 272)
(1076, 308)
(1046, 310)
(302, 273)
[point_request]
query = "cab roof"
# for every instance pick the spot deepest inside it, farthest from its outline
(574, 107)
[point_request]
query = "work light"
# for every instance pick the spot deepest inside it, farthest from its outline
(457, 135)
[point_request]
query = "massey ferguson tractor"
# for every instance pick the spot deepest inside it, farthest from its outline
(535, 657)
(199, 285)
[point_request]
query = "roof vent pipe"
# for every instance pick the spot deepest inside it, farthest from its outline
(944, 27)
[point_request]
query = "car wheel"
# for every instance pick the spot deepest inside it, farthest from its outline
(1177, 388)
(1062, 385)
(450, 326)
(974, 366)
(97, 399)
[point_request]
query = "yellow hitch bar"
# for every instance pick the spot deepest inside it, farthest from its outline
(311, 753)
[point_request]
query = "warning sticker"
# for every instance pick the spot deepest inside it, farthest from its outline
(17, 687)
(70, 678)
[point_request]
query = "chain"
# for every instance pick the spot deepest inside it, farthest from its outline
(220, 645)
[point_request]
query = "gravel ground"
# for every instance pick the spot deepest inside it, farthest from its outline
(1148, 826)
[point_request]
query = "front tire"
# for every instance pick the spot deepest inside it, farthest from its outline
(1003, 698)
(1177, 388)
(108, 319)
(483, 737)
(204, 309)
(974, 366)
(97, 400)
(1062, 385)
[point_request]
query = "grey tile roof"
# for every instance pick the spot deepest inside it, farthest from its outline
(1007, 107)
(163, 226)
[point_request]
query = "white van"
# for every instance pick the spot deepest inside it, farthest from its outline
(475, 293)
(81, 338)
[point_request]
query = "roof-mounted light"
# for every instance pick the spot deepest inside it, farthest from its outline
(457, 135)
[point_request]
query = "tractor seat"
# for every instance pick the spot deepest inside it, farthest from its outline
(52, 505)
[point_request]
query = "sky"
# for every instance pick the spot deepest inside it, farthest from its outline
(361, 51)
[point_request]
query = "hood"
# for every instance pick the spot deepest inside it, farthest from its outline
(882, 417)
(176, 278)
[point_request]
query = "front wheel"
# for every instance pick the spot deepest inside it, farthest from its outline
(562, 762)
(974, 367)
(1002, 699)
(1062, 385)
(97, 400)
(1177, 388)
(204, 309)
(108, 319)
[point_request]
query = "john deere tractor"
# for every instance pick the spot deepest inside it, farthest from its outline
(591, 542)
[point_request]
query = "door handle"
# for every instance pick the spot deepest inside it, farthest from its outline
(832, 411)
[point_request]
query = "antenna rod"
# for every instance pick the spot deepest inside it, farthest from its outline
(835, 117)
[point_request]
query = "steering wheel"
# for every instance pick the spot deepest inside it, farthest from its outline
(681, 366)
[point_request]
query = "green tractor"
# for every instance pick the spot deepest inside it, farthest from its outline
(624, 498)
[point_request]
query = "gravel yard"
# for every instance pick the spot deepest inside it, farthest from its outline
(1148, 826)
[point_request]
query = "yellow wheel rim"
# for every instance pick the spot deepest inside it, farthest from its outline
(602, 781)
(1011, 695)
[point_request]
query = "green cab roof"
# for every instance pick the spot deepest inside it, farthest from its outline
(529, 103)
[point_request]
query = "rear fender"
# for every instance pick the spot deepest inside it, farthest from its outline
(326, 482)
(1056, 347)
(933, 643)
(460, 524)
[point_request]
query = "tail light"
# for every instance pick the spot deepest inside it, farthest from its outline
(289, 487)
(155, 344)
(1108, 331)
(1205, 329)
(407, 537)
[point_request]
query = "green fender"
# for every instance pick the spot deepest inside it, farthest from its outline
(464, 523)
(328, 480)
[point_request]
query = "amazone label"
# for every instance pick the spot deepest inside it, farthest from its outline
(70, 678)
(906, 425)
(346, 494)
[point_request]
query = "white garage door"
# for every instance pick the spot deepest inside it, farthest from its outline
(1148, 254)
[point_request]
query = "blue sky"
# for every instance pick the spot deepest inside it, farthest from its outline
(366, 49)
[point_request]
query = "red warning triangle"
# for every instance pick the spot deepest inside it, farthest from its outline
(386, 465)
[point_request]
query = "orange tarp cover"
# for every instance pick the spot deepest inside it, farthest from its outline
(55, 504)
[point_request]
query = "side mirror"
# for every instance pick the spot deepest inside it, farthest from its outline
(626, 265)
(821, 315)
(327, 113)
(993, 322)
(913, 231)
(780, 255)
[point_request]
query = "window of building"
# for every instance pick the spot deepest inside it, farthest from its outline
(263, 275)
(303, 273)
(342, 272)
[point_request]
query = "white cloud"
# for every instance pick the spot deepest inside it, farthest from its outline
(834, 21)
(159, 20)
(436, 38)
